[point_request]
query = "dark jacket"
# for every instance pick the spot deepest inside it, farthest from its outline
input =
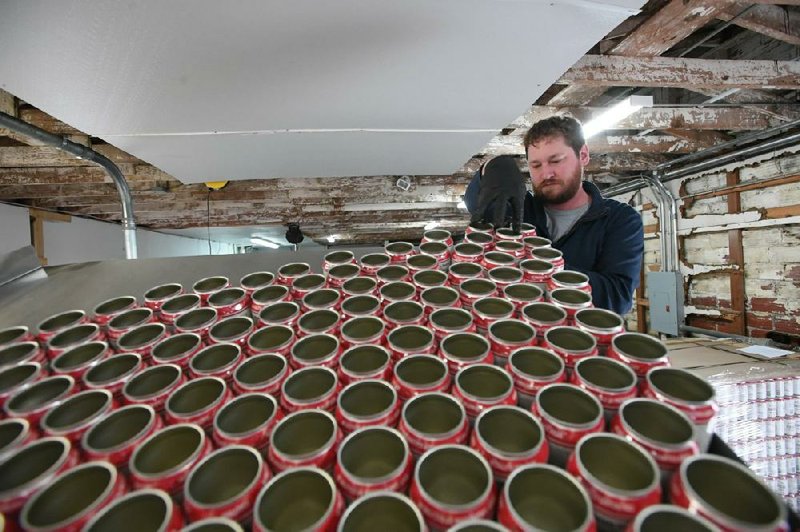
(606, 243)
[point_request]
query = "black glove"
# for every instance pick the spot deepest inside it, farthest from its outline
(502, 185)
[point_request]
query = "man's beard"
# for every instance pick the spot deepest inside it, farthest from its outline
(566, 193)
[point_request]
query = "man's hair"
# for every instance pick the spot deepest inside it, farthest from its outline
(556, 126)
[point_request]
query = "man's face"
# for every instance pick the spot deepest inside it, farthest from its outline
(556, 171)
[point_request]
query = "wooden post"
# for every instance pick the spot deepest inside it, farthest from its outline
(736, 259)
(37, 219)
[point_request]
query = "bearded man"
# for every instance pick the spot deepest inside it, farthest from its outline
(598, 236)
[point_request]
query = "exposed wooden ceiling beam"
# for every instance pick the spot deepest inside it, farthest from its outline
(602, 162)
(667, 27)
(613, 71)
(35, 156)
(776, 22)
(512, 144)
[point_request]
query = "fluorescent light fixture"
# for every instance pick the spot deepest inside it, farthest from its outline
(431, 225)
(615, 114)
(333, 238)
(256, 241)
(461, 205)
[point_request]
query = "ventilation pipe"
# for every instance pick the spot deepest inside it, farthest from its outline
(80, 151)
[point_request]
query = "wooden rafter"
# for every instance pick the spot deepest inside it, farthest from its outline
(781, 23)
(512, 144)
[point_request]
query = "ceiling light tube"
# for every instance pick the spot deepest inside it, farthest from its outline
(263, 243)
(615, 114)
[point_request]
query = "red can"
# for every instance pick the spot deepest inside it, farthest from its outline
(392, 273)
(372, 262)
(197, 401)
(361, 307)
(402, 313)
(77, 414)
(59, 322)
(533, 241)
(336, 258)
(322, 321)
(33, 401)
(533, 368)
(438, 250)
(308, 438)
(112, 374)
(567, 414)
(571, 301)
(15, 378)
(283, 313)
(641, 352)
(373, 459)
(339, 275)
(247, 420)
(266, 296)
(571, 344)
(528, 487)
(549, 254)
(410, 340)
(742, 502)
(482, 386)
(506, 336)
(158, 295)
(610, 381)
(488, 310)
(289, 272)
(429, 279)
(143, 339)
(363, 330)
(153, 385)
(367, 403)
(262, 374)
(307, 493)
(310, 387)
(418, 263)
(307, 283)
(99, 483)
(522, 294)
(115, 437)
(106, 310)
(603, 324)
(277, 339)
(688, 393)
(506, 233)
(396, 510)
(660, 516)
(225, 484)
(126, 321)
(484, 240)
(537, 272)
(185, 444)
(324, 298)
(474, 289)
(447, 321)
(460, 350)
(316, 350)
(509, 437)
(14, 335)
(439, 297)
(496, 259)
(417, 374)
(175, 306)
(469, 474)
(360, 286)
(255, 281)
(177, 349)
(515, 248)
(16, 433)
(661, 430)
(459, 272)
(399, 251)
(543, 317)
(467, 252)
(156, 505)
(218, 360)
(21, 353)
(433, 419)
(504, 276)
(42, 460)
(569, 279)
(229, 302)
(620, 477)
(362, 362)
(480, 227)
(208, 285)
(235, 330)
(437, 235)
(73, 337)
(397, 291)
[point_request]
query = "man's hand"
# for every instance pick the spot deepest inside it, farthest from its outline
(502, 185)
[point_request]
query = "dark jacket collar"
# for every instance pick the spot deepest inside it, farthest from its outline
(597, 209)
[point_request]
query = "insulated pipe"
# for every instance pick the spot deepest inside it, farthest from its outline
(62, 143)
(668, 222)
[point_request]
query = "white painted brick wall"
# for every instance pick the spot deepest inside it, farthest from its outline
(777, 196)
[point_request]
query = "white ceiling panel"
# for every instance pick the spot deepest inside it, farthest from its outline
(143, 69)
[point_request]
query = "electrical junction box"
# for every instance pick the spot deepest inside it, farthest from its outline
(665, 293)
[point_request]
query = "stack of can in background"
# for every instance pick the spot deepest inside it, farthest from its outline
(436, 387)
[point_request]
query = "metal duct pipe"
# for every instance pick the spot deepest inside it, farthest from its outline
(62, 143)
(668, 222)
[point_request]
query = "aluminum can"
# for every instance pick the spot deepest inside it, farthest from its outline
(569, 279)
(373, 459)
(308, 388)
(508, 335)
(255, 281)
(177, 305)
(267, 295)
(247, 420)
(610, 381)
(277, 339)
(394, 511)
(236, 329)
(115, 436)
(153, 385)
(603, 324)
(77, 414)
(153, 508)
(197, 401)
(289, 272)
(367, 403)
(488, 310)
(533, 368)
(229, 302)
(143, 339)
(362, 362)
(56, 323)
(417, 374)
(640, 351)
(218, 360)
(263, 373)
(106, 310)
(571, 344)
(433, 419)
(308, 438)
(14, 378)
(177, 349)
(460, 350)
(410, 340)
(482, 386)
(403, 313)
(208, 285)
(372, 262)
(33, 401)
